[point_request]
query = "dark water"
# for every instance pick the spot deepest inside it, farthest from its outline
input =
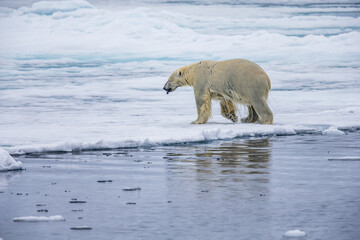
(240, 189)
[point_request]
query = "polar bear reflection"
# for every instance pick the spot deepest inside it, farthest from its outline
(238, 160)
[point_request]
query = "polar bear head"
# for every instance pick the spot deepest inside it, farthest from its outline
(177, 79)
(183, 76)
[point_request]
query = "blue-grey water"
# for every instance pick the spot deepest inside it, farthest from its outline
(255, 188)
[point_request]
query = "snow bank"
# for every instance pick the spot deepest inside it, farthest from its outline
(7, 163)
(39, 218)
(295, 233)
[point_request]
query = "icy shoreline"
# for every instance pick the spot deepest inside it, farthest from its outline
(206, 135)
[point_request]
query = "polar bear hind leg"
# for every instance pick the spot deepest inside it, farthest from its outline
(263, 110)
(252, 116)
(228, 110)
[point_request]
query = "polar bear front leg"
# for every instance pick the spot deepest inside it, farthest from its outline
(203, 105)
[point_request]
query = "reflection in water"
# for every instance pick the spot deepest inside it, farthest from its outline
(236, 160)
(7, 177)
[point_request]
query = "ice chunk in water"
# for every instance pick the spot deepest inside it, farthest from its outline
(39, 218)
(7, 163)
(295, 233)
(333, 131)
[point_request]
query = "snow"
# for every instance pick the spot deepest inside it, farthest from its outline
(39, 218)
(7, 163)
(295, 233)
(77, 27)
(89, 75)
(48, 8)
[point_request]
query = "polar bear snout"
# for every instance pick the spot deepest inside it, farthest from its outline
(167, 87)
(167, 90)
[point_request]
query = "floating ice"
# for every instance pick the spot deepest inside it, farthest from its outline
(346, 158)
(7, 163)
(333, 131)
(295, 233)
(39, 218)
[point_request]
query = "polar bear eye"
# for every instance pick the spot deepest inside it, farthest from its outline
(179, 74)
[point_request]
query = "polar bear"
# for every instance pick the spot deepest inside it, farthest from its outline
(230, 82)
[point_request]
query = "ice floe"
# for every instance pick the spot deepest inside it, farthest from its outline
(295, 233)
(88, 77)
(345, 158)
(39, 218)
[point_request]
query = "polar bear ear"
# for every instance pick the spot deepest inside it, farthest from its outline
(179, 73)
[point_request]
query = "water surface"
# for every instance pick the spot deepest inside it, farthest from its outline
(255, 188)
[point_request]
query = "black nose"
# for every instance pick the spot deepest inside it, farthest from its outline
(167, 90)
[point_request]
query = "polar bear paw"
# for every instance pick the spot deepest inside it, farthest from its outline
(197, 122)
(232, 117)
